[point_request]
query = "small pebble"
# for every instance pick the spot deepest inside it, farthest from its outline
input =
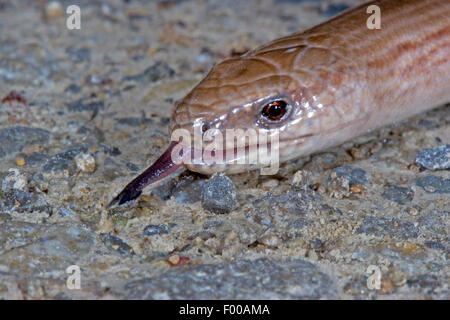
(176, 260)
(434, 158)
(354, 175)
(338, 186)
(116, 244)
(413, 211)
(301, 177)
(381, 226)
(153, 229)
(20, 162)
(270, 240)
(53, 9)
(173, 260)
(219, 194)
(85, 162)
(401, 195)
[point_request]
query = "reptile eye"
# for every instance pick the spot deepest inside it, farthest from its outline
(274, 110)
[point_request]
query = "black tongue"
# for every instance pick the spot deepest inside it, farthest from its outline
(158, 170)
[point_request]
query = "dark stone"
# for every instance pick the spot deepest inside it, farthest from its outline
(263, 278)
(164, 190)
(188, 191)
(62, 161)
(82, 105)
(381, 226)
(219, 194)
(15, 200)
(35, 158)
(212, 224)
(134, 167)
(401, 195)
(113, 151)
(317, 244)
(425, 281)
(134, 122)
(14, 139)
(298, 203)
(434, 158)
(117, 245)
(434, 184)
(435, 245)
(157, 229)
(165, 121)
(73, 88)
(153, 73)
(354, 175)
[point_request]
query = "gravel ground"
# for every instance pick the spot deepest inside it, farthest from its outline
(90, 110)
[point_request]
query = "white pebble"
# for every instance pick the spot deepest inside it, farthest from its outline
(85, 162)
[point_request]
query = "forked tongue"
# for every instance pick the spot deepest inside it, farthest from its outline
(158, 170)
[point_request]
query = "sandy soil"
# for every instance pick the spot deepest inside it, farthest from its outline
(97, 106)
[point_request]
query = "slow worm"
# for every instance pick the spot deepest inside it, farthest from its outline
(320, 87)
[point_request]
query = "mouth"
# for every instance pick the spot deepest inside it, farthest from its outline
(178, 155)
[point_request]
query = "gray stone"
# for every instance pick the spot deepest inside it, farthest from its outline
(157, 229)
(14, 139)
(434, 184)
(354, 175)
(219, 194)
(437, 158)
(134, 122)
(62, 160)
(15, 200)
(381, 226)
(73, 88)
(35, 158)
(153, 73)
(117, 245)
(401, 195)
(294, 202)
(134, 167)
(82, 105)
(425, 281)
(188, 191)
(435, 245)
(240, 279)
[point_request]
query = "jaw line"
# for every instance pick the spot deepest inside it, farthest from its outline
(196, 157)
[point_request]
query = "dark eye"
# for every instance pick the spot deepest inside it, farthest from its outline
(274, 110)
